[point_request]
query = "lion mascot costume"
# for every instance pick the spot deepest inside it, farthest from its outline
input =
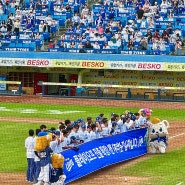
(51, 163)
(57, 175)
(158, 134)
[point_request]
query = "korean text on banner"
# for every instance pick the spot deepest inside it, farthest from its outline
(103, 152)
(91, 64)
(174, 67)
(157, 66)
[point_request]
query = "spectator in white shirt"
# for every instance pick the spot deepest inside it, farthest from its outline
(162, 44)
(76, 19)
(95, 37)
(164, 6)
(106, 46)
(155, 44)
(41, 26)
(102, 38)
(125, 33)
(96, 45)
(138, 35)
(85, 10)
(143, 23)
(151, 23)
(48, 19)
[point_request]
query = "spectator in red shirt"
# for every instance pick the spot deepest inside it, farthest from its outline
(165, 36)
(156, 35)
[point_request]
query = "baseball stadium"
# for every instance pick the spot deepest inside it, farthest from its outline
(92, 92)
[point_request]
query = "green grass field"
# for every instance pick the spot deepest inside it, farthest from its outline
(168, 167)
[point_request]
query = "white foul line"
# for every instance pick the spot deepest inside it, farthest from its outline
(176, 135)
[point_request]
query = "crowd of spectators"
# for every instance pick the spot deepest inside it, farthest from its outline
(146, 25)
(126, 25)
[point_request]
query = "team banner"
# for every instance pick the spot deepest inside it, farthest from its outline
(103, 152)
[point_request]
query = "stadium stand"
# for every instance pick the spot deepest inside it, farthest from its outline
(111, 26)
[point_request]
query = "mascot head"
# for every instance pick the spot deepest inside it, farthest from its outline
(42, 141)
(159, 128)
(57, 161)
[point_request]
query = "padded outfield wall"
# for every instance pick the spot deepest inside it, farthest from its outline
(123, 71)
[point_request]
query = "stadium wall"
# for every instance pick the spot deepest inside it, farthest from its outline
(122, 70)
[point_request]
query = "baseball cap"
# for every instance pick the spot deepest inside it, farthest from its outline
(80, 120)
(74, 123)
(83, 125)
(143, 111)
(73, 137)
(114, 124)
(98, 118)
(42, 134)
(57, 132)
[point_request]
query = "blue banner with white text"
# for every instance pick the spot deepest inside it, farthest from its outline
(103, 152)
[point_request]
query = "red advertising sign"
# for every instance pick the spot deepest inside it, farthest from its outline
(38, 62)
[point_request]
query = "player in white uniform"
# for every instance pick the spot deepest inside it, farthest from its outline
(121, 124)
(137, 120)
(130, 124)
(66, 143)
(114, 129)
(36, 159)
(83, 134)
(56, 144)
(95, 131)
(142, 121)
(105, 128)
(29, 145)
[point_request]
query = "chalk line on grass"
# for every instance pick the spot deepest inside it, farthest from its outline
(177, 135)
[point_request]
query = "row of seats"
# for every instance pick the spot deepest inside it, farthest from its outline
(109, 51)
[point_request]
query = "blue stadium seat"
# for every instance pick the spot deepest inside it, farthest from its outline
(19, 45)
(3, 17)
(12, 44)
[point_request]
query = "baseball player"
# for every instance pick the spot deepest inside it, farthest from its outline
(29, 145)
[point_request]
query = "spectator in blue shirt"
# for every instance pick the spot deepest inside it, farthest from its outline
(102, 12)
(28, 25)
(111, 14)
(99, 21)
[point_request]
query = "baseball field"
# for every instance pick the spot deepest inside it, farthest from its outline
(18, 114)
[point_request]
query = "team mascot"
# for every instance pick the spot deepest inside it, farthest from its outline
(57, 175)
(43, 152)
(48, 161)
(158, 134)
